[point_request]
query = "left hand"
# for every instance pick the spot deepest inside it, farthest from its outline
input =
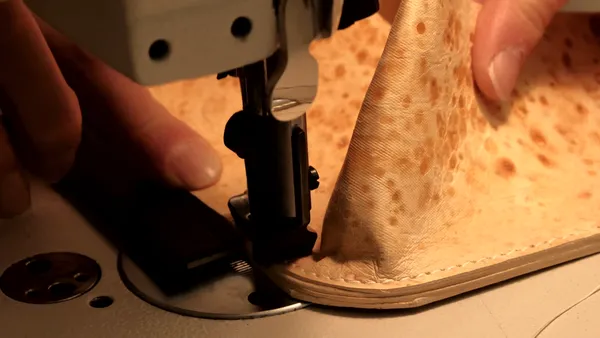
(48, 86)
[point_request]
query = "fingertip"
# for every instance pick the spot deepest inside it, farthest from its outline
(489, 40)
(193, 164)
(481, 75)
(506, 33)
(502, 74)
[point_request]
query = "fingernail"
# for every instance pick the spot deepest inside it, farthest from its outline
(504, 71)
(195, 165)
(14, 195)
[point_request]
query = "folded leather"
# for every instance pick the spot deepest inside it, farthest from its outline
(439, 191)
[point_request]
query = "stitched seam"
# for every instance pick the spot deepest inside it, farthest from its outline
(458, 266)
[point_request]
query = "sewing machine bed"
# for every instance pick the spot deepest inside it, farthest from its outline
(515, 309)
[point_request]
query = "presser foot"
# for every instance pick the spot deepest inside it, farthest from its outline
(271, 243)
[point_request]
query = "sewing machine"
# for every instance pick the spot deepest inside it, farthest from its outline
(155, 42)
(265, 44)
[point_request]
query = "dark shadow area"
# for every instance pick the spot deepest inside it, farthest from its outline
(173, 237)
(176, 239)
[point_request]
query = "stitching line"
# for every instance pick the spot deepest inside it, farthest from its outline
(458, 266)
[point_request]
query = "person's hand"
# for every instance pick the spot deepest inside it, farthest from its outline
(47, 84)
(506, 33)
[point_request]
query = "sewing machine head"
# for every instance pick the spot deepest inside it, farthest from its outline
(265, 43)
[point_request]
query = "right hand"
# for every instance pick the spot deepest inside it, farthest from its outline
(507, 32)
(47, 83)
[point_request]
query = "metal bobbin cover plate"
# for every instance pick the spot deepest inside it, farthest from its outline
(50, 278)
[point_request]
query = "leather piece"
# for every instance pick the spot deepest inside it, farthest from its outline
(440, 192)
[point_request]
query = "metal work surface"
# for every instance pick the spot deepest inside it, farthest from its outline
(229, 296)
(515, 309)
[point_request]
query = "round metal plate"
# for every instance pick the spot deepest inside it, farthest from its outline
(231, 295)
(50, 278)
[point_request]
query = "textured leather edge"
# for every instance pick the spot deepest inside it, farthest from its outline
(311, 290)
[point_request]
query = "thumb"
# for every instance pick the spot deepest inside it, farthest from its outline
(507, 31)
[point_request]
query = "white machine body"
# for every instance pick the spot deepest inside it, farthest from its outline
(193, 38)
(196, 33)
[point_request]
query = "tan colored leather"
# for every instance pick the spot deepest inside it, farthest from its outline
(440, 192)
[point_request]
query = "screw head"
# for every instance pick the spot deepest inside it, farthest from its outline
(313, 178)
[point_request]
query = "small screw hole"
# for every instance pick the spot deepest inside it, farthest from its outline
(159, 50)
(38, 266)
(241, 27)
(255, 299)
(101, 302)
(81, 277)
(62, 290)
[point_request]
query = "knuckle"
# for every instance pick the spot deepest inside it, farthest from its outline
(538, 14)
(63, 133)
